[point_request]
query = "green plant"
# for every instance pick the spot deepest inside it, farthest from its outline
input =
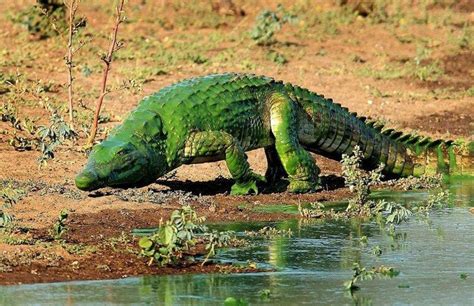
(9, 196)
(463, 41)
(424, 70)
(52, 135)
(173, 240)
(435, 201)
(388, 72)
(44, 19)
(361, 274)
(198, 58)
(358, 180)
(215, 240)
(414, 183)
(393, 212)
(470, 91)
(5, 219)
(277, 57)
(377, 251)
(265, 293)
(9, 113)
(60, 227)
(317, 211)
(268, 23)
(269, 232)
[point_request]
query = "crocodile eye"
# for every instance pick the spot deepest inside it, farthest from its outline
(121, 152)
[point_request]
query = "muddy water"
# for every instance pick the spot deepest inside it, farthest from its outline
(433, 256)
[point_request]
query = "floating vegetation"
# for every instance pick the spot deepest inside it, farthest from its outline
(362, 274)
(270, 232)
(317, 210)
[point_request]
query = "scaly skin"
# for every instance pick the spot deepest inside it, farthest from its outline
(222, 116)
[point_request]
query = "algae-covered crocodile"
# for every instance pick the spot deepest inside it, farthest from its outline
(222, 116)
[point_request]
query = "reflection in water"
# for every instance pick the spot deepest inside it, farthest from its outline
(310, 267)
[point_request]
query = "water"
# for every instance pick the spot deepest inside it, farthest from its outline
(310, 267)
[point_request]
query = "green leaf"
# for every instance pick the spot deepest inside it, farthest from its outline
(167, 235)
(145, 243)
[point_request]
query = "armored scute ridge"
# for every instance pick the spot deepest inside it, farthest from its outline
(222, 116)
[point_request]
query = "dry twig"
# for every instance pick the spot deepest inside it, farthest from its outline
(107, 59)
(72, 7)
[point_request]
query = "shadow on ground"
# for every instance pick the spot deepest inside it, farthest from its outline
(222, 185)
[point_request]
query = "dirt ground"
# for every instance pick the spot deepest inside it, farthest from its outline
(414, 71)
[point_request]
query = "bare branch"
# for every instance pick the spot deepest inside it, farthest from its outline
(72, 6)
(114, 46)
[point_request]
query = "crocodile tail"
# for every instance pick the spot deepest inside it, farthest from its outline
(334, 131)
(408, 154)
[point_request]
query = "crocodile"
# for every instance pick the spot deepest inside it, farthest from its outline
(221, 116)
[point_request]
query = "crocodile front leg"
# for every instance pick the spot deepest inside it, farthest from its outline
(211, 144)
(298, 163)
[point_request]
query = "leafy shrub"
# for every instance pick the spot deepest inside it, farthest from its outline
(172, 242)
(9, 113)
(60, 228)
(49, 137)
(47, 18)
(277, 57)
(9, 196)
(357, 179)
(268, 23)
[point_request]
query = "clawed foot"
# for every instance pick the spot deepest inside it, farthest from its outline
(249, 186)
(303, 186)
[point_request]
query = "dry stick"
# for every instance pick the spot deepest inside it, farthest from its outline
(107, 60)
(72, 6)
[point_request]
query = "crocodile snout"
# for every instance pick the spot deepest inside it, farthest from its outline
(87, 180)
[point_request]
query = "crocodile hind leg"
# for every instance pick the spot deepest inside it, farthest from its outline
(298, 163)
(206, 146)
(275, 170)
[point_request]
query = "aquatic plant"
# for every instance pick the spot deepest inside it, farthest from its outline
(358, 180)
(414, 183)
(362, 273)
(172, 243)
(270, 232)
